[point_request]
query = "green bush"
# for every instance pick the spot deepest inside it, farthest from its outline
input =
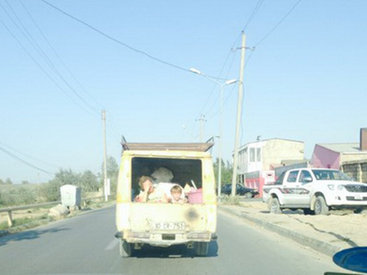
(18, 195)
(22, 194)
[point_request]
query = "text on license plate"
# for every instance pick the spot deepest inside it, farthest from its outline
(169, 226)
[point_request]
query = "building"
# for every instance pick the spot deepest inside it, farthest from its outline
(334, 155)
(351, 158)
(356, 169)
(257, 160)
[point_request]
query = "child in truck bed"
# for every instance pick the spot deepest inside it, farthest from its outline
(176, 195)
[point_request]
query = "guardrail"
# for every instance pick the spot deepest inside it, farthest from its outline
(30, 206)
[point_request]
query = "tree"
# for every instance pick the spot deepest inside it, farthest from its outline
(50, 191)
(226, 171)
(89, 182)
(8, 181)
(112, 167)
(112, 172)
(66, 177)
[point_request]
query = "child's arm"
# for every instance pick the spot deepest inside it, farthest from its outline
(142, 197)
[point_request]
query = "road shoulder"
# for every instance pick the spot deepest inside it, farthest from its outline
(325, 234)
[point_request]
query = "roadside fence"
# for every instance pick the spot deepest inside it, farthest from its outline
(9, 210)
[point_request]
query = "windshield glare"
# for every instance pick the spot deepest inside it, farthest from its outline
(330, 175)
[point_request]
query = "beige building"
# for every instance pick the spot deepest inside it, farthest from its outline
(263, 156)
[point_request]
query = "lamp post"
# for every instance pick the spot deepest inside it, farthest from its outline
(221, 85)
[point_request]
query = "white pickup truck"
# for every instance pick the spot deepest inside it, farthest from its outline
(316, 191)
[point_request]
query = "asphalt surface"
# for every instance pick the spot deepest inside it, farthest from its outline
(85, 245)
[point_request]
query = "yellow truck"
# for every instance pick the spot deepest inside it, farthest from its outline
(192, 222)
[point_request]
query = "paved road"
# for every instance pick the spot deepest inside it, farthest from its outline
(85, 245)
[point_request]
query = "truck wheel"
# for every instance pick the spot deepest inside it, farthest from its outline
(308, 211)
(274, 206)
(201, 249)
(321, 207)
(126, 249)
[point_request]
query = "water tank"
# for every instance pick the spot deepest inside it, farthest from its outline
(70, 195)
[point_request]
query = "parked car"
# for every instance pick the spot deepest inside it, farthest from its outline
(240, 190)
(316, 191)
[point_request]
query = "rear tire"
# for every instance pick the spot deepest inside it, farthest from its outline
(201, 249)
(274, 206)
(126, 249)
(320, 206)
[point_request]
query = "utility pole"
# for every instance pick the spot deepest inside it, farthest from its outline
(220, 137)
(201, 120)
(220, 141)
(104, 156)
(239, 113)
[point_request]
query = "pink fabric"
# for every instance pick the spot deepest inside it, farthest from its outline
(196, 196)
(325, 158)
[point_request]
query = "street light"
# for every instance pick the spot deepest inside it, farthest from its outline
(221, 85)
(195, 71)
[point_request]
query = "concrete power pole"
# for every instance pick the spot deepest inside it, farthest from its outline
(239, 113)
(104, 156)
(202, 120)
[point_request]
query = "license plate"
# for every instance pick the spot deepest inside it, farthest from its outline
(169, 226)
(358, 197)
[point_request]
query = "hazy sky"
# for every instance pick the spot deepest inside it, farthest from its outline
(305, 81)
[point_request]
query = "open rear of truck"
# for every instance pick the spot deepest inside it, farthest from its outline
(165, 224)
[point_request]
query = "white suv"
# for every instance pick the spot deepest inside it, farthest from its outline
(315, 191)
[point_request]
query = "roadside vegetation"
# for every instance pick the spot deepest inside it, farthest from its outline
(26, 193)
(30, 218)
(226, 171)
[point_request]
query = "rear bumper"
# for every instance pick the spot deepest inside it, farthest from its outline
(166, 239)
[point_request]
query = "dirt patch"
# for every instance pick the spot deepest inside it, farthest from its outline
(343, 227)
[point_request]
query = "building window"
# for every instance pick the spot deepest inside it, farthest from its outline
(252, 154)
(258, 154)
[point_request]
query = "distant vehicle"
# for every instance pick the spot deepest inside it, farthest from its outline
(240, 190)
(316, 191)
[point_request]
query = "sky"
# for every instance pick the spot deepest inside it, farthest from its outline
(304, 79)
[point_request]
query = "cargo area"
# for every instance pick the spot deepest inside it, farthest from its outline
(182, 171)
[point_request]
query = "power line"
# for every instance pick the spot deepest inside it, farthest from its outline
(38, 64)
(255, 10)
(216, 112)
(24, 161)
(277, 24)
(157, 59)
(249, 20)
(56, 54)
(44, 55)
(27, 155)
